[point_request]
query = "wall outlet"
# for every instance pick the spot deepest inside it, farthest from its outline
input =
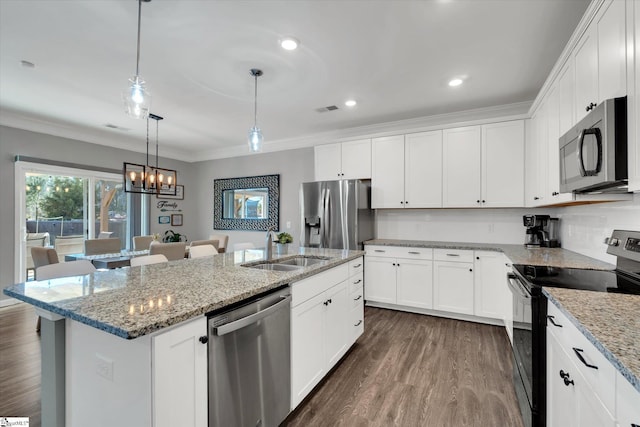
(104, 367)
(288, 224)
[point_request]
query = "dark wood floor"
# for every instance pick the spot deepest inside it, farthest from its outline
(406, 370)
(414, 370)
(19, 363)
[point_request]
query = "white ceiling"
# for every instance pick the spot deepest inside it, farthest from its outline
(394, 57)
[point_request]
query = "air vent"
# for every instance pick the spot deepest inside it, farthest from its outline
(325, 109)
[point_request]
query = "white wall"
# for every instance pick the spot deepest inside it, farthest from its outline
(294, 167)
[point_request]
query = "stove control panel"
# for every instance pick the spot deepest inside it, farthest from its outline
(624, 244)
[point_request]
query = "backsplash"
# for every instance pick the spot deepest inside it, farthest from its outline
(582, 228)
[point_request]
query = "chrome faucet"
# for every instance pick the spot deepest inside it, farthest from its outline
(269, 243)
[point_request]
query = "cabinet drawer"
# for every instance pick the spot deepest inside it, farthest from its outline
(356, 266)
(400, 252)
(308, 288)
(600, 374)
(356, 317)
(356, 282)
(357, 297)
(455, 255)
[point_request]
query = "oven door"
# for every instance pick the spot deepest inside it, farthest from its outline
(523, 342)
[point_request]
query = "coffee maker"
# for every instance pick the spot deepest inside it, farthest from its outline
(542, 231)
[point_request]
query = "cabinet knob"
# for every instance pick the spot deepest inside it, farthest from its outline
(536, 198)
(478, 201)
(401, 202)
(204, 339)
(565, 377)
(484, 201)
(471, 269)
(406, 202)
(555, 193)
(477, 257)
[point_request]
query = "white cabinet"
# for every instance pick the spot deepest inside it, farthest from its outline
(179, 371)
(600, 58)
(580, 380)
(461, 167)
(407, 171)
(356, 299)
(401, 276)
(453, 281)
(633, 86)
(483, 166)
(321, 315)
(346, 160)
(566, 98)
(627, 403)
(492, 296)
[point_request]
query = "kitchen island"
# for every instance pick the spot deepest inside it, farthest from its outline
(99, 331)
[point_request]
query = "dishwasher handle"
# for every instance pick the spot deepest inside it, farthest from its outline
(253, 318)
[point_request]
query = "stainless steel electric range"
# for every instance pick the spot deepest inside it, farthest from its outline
(529, 338)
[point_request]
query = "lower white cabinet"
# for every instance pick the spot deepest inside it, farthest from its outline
(179, 372)
(453, 288)
(414, 283)
(627, 403)
(324, 324)
(492, 296)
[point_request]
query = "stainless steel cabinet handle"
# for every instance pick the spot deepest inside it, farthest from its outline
(358, 324)
(414, 253)
(453, 254)
(357, 266)
(356, 299)
(578, 352)
(379, 250)
(253, 318)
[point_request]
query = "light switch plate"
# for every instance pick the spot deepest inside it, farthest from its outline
(104, 367)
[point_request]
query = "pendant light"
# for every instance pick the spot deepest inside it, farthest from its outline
(137, 100)
(255, 134)
(148, 179)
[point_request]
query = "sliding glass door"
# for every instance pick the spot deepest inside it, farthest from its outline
(60, 207)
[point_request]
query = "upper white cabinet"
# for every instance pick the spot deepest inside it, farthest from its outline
(600, 58)
(346, 160)
(483, 166)
(633, 86)
(407, 171)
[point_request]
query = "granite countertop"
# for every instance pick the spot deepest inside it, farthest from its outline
(518, 254)
(135, 301)
(610, 321)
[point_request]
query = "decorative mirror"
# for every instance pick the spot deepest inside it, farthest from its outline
(249, 203)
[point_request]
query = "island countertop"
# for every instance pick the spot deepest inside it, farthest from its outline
(135, 301)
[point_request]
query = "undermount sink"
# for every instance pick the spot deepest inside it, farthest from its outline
(288, 264)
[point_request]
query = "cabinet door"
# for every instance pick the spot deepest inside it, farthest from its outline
(336, 319)
(423, 170)
(627, 402)
(566, 98)
(453, 287)
(414, 283)
(586, 72)
(381, 280)
(491, 292)
(328, 163)
(561, 398)
(387, 172)
(180, 376)
(503, 164)
(356, 159)
(591, 411)
(461, 167)
(553, 145)
(308, 358)
(612, 73)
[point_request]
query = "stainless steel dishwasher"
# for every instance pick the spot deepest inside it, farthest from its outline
(250, 363)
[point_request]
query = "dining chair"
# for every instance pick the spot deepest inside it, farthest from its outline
(148, 259)
(173, 251)
(243, 246)
(43, 256)
(141, 243)
(223, 240)
(213, 242)
(65, 269)
(101, 246)
(200, 251)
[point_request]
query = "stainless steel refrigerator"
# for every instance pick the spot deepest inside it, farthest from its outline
(336, 214)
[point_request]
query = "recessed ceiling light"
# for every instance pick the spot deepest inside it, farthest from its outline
(350, 103)
(289, 43)
(455, 82)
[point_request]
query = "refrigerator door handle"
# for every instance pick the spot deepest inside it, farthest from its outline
(325, 214)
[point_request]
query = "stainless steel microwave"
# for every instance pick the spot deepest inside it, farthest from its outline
(593, 154)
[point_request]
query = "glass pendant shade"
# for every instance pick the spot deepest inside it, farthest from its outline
(255, 139)
(137, 99)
